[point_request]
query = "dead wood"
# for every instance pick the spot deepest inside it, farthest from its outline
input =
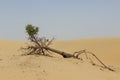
(41, 45)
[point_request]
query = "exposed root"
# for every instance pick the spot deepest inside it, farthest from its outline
(77, 54)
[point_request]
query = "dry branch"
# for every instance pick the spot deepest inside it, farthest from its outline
(41, 46)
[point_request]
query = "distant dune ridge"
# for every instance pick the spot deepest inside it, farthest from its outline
(13, 66)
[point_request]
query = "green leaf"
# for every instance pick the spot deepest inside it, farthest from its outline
(31, 30)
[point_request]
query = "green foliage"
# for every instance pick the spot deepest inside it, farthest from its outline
(31, 30)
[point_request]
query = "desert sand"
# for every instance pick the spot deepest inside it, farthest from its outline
(14, 66)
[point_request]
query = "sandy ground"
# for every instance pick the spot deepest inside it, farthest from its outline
(13, 66)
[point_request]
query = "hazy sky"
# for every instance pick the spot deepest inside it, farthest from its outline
(62, 19)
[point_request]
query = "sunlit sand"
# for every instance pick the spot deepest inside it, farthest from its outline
(13, 66)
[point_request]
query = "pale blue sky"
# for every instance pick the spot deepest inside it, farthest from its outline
(62, 19)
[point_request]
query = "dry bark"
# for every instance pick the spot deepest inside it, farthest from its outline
(41, 46)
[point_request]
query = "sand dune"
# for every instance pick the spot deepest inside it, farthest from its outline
(13, 66)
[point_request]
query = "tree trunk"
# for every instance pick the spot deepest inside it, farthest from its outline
(64, 54)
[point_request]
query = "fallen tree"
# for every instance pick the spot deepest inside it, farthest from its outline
(40, 46)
